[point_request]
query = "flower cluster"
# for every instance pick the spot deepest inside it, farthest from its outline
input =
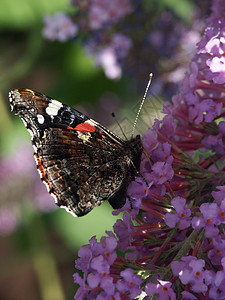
(126, 35)
(103, 277)
(59, 28)
(95, 18)
(18, 175)
(173, 239)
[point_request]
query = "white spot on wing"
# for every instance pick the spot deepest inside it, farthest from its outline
(40, 119)
(53, 108)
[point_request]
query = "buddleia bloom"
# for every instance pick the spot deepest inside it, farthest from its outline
(173, 240)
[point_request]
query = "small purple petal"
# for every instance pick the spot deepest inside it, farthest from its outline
(93, 280)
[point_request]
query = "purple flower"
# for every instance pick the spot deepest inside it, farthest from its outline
(219, 195)
(82, 290)
(124, 229)
(217, 292)
(107, 48)
(190, 270)
(217, 66)
(59, 27)
(199, 110)
(121, 45)
(178, 266)
(108, 60)
(214, 143)
(109, 245)
(176, 165)
(130, 283)
(104, 296)
(217, 13)
(162, 153)
(220, 275)
(86, 252)
(194, 74)
(210, 212)
(138, 188)
(208, 110)
(109, 57)
(100, 271)
(102, 12)
(218, 251)
(221, 127)
(136, 191)
(149, 140)
(182, 214)
(106, 248)
(216, 283)
(216, 48)
(162, 172)
(192, 100)
(221, 212)
(95, 260)
(163, 289)
(188, 296)
(168, 126)
(77, 279)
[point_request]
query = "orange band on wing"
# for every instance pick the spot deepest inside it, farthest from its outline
(85, 127)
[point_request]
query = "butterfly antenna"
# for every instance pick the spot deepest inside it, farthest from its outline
(142, 102)
(113, 115)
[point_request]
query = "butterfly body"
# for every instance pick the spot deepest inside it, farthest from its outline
(81, 162)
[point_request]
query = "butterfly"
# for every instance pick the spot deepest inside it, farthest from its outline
(81, 162)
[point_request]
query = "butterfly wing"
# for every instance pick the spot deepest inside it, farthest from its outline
(81, 162)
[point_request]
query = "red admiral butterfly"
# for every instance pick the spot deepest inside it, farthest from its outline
(81, 162)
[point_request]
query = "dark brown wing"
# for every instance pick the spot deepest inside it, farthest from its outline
(81, 162)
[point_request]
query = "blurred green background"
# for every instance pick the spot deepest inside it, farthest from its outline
(39, 244)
